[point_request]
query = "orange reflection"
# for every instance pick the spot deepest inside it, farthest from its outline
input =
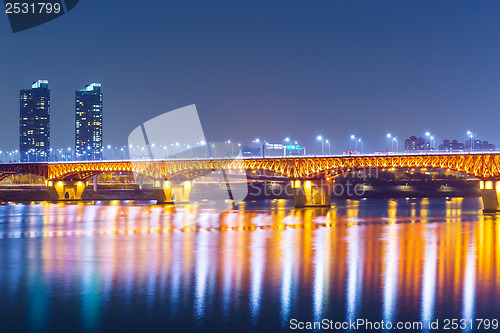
(429, 254)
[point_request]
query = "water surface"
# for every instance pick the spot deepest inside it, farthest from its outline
(135, 267)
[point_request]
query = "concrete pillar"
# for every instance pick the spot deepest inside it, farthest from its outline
(141, 176)
(65, 190)
(490, 190)
(168, 193)
(312, 193)
(95, 183)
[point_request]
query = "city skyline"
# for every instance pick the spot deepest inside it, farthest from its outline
(88, 135)
(88, 122)
(89, 144)
(34, 122)
(338, 69)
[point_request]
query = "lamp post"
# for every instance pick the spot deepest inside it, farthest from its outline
(131, 152)
(320, 138)
(353, 137)
(427, 134)
(388, 138)
(256, 142)
(229, 142)
(214, 151)
(471, 137)
(397, 144)
(287, 141)
(165, 148)
(361, 141)
(328, 142)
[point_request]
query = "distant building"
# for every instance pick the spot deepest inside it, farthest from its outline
(414, 143)
(88, 123)
(479, 145)
(454, 145)
(34, 131)
(249, 151)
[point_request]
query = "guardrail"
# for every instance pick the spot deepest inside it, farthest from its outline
(377, 154)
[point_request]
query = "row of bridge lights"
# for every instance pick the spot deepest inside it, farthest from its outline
(11, 155)
(355, 142)
(431, 138)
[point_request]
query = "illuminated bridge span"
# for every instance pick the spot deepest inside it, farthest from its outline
(311, 176)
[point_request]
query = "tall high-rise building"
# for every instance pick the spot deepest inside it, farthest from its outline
(34, 140)
(88, 124)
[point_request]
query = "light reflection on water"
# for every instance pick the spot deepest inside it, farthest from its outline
(127, 266)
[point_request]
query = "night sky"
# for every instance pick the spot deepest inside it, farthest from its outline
(266, 69)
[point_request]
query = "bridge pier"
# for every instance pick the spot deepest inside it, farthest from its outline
(65, 190)
(312, 193)
(167, 192)
(490, 193)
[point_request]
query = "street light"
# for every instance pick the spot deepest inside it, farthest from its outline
(353, 137)
(397, 144)
(361, 141)
(287, 141)
(320, 138)
(232, 151)
(328, 142)
(388, 138)
(427, 134)
(471, 136)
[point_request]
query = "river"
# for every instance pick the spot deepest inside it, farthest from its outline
(125, 266)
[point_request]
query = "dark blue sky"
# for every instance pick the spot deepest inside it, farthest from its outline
(267, 69)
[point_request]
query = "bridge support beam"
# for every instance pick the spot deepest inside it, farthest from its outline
(65, 190)
(167, 192)
(490, 193)
(312, 193)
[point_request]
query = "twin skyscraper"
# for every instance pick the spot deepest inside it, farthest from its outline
(34, 135)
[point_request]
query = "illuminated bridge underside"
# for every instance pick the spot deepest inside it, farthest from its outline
(485, 166)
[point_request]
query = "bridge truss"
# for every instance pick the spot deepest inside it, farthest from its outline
(481, 165)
